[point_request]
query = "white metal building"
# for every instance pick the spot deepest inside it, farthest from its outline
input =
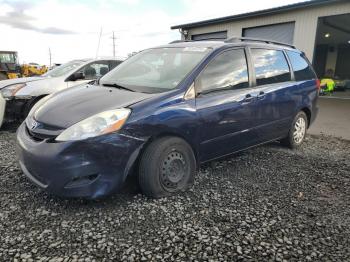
(321, 28)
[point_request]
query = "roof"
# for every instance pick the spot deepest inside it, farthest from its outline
(99, 58)
(203, 44)
(259, 13)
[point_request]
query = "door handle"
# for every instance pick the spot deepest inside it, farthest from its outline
(261, 95)
(248, 98)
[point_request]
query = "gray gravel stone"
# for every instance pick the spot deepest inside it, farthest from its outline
(268, 203)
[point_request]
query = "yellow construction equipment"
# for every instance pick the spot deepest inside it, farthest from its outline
(10, 68)
(33, 69)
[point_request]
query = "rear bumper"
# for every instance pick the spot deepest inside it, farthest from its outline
(314, 110)
(90, 168)
(314, 114)
(2, 109)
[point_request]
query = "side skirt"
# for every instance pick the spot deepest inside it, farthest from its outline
(240, 150)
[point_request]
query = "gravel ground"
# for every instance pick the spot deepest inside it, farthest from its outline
(268, 203)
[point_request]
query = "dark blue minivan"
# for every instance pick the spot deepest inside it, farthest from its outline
(163, 112)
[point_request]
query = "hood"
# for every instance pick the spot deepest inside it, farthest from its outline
(43, 86)
(68, 107)
(13, 81)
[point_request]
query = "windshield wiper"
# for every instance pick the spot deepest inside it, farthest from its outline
(117, 86)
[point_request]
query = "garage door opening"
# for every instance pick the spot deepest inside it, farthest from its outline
(222, 35)
(332, 52)
(283, 33)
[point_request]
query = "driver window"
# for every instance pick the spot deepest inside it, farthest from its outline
(226, 71)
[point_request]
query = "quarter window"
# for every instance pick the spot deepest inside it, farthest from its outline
(270, 66)
(302, 69)
(226, 71)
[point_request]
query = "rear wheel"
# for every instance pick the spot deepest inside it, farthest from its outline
(167, 167)
(297, 131)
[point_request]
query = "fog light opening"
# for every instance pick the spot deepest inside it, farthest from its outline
(81, 181)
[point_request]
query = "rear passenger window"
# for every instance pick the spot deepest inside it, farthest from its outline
(270, 66)
(302, 69)
(226, 71)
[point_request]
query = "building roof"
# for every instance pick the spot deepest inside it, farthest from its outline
(259, 13)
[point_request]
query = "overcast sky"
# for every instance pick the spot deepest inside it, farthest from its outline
(71, 28)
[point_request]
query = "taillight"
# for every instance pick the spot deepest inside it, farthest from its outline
(318, 84)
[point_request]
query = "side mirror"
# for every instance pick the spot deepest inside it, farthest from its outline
(76, 76)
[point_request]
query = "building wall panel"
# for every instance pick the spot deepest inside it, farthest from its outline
(305, 24)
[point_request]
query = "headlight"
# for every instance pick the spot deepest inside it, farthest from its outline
(10, 91)
(102, 123)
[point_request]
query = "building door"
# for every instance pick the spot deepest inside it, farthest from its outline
(222, 35)
(320, 60)
(283, 33)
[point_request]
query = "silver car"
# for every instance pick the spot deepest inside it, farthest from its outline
(17, 96)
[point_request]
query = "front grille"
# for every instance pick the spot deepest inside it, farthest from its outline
(33, 135)
(40, 132)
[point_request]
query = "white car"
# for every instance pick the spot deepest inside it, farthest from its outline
(17, 96)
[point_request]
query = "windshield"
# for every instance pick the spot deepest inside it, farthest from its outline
(156, 70)
(8, 58)
(64, 69)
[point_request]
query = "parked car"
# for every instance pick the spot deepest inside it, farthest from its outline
(163, 112)
(17, 96)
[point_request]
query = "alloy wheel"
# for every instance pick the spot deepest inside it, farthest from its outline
(299, 130)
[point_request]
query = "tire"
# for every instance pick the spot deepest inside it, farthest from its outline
(297, 132)
(167, 167)
(3, 76)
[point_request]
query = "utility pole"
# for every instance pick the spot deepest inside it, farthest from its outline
(99, 41)
(50, 56)
(113, 38)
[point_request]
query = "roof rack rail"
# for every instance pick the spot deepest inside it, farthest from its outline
(235, 39)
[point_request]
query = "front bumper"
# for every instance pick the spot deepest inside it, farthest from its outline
(89, 168)
(15, 109)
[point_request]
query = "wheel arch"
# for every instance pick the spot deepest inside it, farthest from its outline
(173, 134)
(307, 111)
(155, 137)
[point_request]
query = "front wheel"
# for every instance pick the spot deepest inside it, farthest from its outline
(297, 131)
(167, 167)
(3, 76)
